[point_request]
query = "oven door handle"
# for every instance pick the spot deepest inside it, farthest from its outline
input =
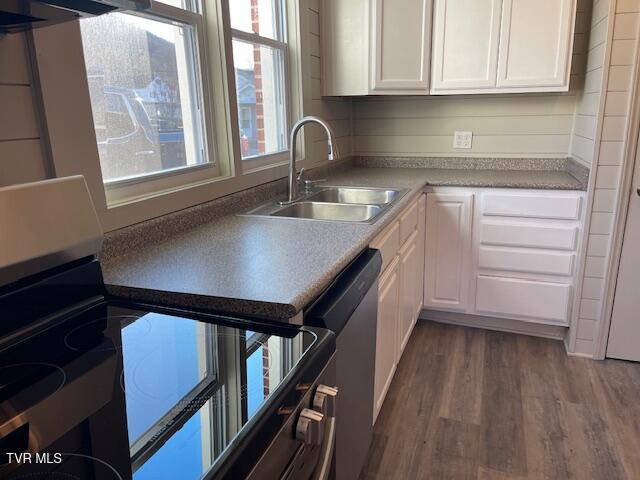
(326, 455)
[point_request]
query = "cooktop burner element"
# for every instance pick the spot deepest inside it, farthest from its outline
(17, 376)
(83, 337)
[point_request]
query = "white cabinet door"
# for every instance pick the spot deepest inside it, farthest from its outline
(401, 46)
(409, 263)
(448, 250)
(535, 43)
(422, 218)
(465, 44)
(386, 333)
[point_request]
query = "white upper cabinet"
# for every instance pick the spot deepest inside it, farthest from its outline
(502, 46)
(535, 45)
(402, 45)
(376, 47)
(465, 44)
(391, 47)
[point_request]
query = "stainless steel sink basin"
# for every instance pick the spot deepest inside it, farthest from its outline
(355, 195)
(334, 204)
(341, 212)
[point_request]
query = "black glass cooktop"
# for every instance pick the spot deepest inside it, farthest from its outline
(122, 393)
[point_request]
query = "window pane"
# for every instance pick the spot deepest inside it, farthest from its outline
(257, 16)
(144, 92)
(261, 100)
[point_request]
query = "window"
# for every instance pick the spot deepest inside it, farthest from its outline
(260, 62)
(188, 101)
(145, 84)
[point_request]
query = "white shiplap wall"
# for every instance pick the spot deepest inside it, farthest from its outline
(336, 111)
(593, 21)
(21, 154)
(503, 125)
(607, 167)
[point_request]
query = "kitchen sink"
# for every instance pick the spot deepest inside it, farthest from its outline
(334, 204)
(357, 195)
(342, 212)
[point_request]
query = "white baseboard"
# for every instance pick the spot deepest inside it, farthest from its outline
(498, 324)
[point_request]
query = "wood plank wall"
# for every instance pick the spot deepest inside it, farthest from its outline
(335, 110)
(591, 27)
(21, 154)
(607, 170)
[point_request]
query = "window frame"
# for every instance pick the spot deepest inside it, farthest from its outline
(127, 189)
(270, 159)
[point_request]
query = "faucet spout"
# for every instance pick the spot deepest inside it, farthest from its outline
(332, 153)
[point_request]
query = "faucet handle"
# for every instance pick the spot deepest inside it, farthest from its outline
(309, 183)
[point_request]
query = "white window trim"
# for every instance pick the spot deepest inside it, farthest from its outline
(59, 70)
(272, 158)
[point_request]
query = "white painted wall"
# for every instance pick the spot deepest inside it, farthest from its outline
(607, 166)
(21, 154)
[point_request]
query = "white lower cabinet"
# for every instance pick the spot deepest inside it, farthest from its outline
(422, 220)
(399, 292)
(502, 253)
(516, 297)
(448, 250)
(409, 263)
(386, 333)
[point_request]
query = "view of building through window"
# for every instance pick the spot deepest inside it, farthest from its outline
(144, 94)
(259, 74)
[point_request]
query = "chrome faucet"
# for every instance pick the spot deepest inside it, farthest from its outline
(292, 185)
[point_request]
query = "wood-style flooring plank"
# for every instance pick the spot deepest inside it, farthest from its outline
(616, 388)
(462, 389)
(503, 444)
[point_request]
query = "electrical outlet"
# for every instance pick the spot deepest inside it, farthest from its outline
(462, 139)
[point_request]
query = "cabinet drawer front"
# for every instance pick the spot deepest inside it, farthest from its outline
(523, 298)
(408, 222)
(531, 261)
(547, 205)
(388, 242)
(529, 235)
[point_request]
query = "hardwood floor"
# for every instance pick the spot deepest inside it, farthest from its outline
(474, 404)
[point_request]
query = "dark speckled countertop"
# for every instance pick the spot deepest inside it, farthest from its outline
(273, 267)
